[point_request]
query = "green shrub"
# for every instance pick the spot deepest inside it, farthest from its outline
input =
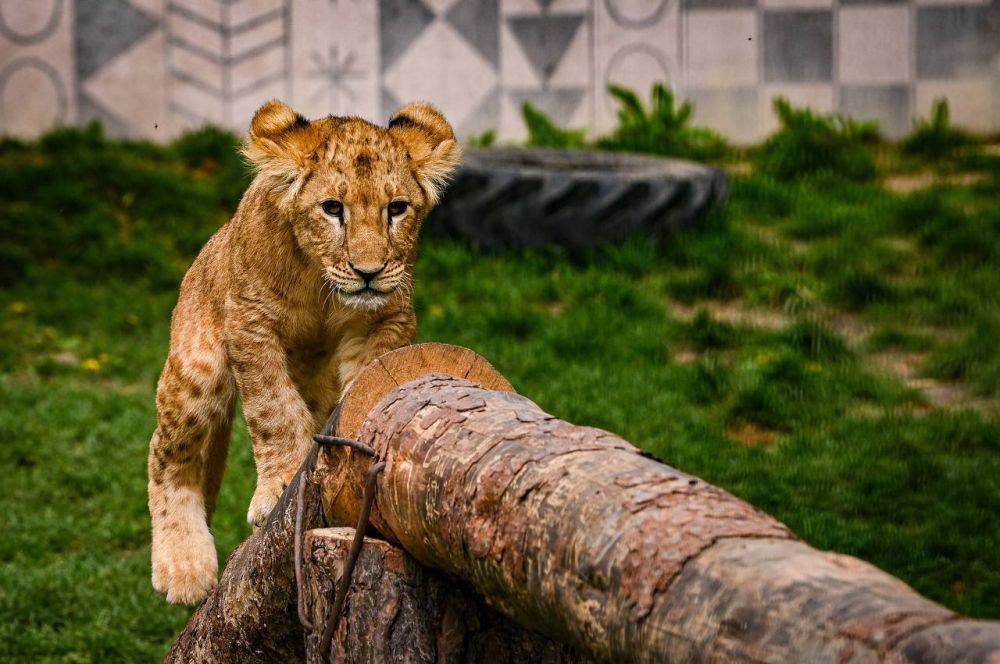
(484, 140)
(808, 143)
(544, 133)
(816, 341)
(663, 129)
(706, 333)
(98, 211)
(216, 152)
(935, 137)
(856, 287)
(974, 358)
(949, 234)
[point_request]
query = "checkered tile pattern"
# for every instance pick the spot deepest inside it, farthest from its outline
(154, 67)
(884, 60)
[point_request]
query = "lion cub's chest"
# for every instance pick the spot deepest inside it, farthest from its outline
(312, 334)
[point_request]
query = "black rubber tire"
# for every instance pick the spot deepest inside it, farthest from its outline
(514, 197)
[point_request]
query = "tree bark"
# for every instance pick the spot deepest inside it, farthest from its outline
(574, 532)
(251, 615)
(347, 467)
(398, 611)
(568, 530)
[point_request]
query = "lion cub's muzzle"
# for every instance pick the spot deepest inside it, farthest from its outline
(366, 286)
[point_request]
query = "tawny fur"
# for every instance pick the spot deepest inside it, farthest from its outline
(275, 308)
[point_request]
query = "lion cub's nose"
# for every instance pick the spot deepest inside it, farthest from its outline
(367, 272)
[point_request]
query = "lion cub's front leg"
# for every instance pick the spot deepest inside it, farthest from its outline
(279, 422)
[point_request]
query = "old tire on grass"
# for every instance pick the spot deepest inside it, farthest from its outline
(511, 197)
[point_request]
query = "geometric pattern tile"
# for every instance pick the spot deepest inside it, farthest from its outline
(105, 28)
(718, 4)
(888, 104)
(335, 58)
(798, 46)
(972, 101)
(150, 68)
(476, 21)
(874, 44)
(400, 23)
(128, 93)
(636, 44)
(37, 66)
(467, 77)
(734, 111)
(957, 41)
(722, 48)
(557, 103)
(545, 38)
(485, 117)
(224, 57)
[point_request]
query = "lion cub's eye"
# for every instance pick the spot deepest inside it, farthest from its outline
(396, 208)
(332, 208)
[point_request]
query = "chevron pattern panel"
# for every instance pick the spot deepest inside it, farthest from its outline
(225, 56)
(153, 68)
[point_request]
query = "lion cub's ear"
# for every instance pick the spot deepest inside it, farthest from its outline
(282, 145)
(431, 144)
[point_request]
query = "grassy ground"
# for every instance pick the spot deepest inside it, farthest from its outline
(822, 348)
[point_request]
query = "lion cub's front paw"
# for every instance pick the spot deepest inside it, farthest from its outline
(265, 497)
(185, 568)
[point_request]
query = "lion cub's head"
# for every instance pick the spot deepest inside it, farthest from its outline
(355, 193)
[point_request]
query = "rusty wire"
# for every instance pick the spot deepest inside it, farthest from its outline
(324, 440)
(340, 597)
(299, 509)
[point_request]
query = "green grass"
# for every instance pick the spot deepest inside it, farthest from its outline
(97, 235)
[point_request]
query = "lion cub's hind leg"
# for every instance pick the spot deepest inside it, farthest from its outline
(187, 454)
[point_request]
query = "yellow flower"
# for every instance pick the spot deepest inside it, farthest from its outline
(91, 364)
(814, 367)
(436, 311)
(764, 359)
(18, 307)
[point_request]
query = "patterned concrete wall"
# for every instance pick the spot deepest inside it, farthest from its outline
(151, 68)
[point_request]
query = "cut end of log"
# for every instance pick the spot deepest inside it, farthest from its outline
(343, 470)
(400, 366)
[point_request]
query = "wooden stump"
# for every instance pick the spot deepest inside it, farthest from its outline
(398, 611)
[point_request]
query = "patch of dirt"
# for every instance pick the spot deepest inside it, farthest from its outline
(739, 168)
(853, 328)
(910, 182)
(733, 312)
(749, 434)
(685, 356)
(906, 366)
(901, 365)
(774, 237)
(67, 358)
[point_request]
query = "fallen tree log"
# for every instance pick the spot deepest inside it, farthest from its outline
(398, 610)
(570, 531)
(574, 532)
(251, 615)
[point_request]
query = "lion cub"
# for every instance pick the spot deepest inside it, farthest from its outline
(309, 281)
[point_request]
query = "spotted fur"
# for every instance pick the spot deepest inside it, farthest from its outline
(275, 309)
